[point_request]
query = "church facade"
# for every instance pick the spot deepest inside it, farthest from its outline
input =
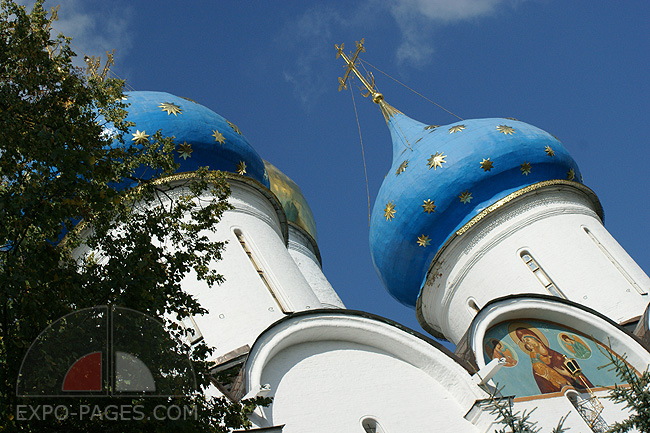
(483, 226)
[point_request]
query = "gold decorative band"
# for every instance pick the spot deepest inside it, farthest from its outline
(526, 190)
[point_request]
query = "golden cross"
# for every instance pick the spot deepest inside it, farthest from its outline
(94, 64)
(352, 67)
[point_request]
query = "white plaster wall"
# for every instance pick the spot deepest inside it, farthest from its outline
(327, 370)
(302, 252)
(548, 411)
(484, 263)
(330, 386)
(242, 307)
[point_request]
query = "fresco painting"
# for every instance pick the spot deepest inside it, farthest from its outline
(575, 345)
(540, 355)
(500, 349)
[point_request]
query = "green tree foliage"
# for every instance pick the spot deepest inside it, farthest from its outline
(62, 160)
(635, 396)
(515, 422)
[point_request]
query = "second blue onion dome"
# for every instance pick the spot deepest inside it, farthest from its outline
(443, 176)
(203, 138)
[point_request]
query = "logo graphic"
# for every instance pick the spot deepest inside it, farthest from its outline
(106, 351)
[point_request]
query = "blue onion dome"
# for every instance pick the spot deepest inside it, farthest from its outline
(203, 138)
(293, 201)
(443, 176)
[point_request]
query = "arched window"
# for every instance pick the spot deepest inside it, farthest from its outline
(589, 408)
(541, 275)
(371, 425)
(277, 296)
(615, 262)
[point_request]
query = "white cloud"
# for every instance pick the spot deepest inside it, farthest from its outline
(447, 10)
(314, 32)
(417, 19)
(94, 30)
(306, 72)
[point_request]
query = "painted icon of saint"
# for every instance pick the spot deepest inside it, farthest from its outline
(497, 349)
(548, 365)
(574, 345)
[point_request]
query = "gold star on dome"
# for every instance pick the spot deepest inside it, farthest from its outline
(234, 127)
(170, 108)
(571, 174)
(185, 150)
(241, 168)
(525, 168)
(549, 151)
(140, 137)
(456, 128)
(424, 241)
(506, 129)
(389, 211)
(429, 206)
(465, 197)
(431, 128)
(436, 160)
(218, 136)
(486, 164)
(402, 167)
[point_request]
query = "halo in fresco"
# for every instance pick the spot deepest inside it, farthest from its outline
(497, 349)
(574, 346)
(517, 338)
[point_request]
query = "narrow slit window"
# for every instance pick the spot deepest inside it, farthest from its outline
(260, 272)
(615, 262)
(542, 276)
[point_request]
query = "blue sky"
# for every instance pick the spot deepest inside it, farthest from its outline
(577, 69)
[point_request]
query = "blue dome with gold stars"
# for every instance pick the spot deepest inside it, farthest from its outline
(442, 177)
(203, 138)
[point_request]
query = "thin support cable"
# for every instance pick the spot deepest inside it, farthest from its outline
(363, 153)
(417, 93)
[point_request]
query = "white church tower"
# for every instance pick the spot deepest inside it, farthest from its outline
(271, 263)
(482, 226)
(485, 227)
(277, 323)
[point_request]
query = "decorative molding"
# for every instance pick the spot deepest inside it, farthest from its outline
(242, 206)
(485, 249)
(514, 212)
(586, 204)
(295, 231)
(548, 183)
(301, 248)
(559, 182)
